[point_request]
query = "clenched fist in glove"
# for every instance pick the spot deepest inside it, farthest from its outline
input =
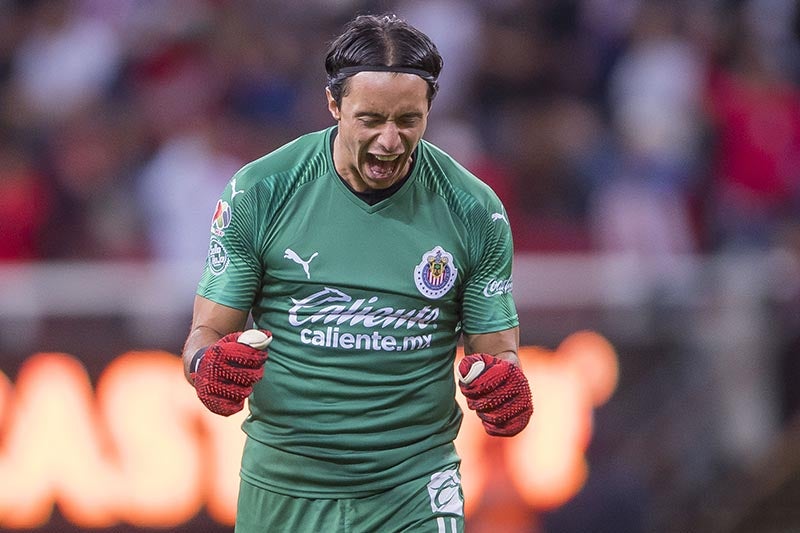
(498, 392)
(225, 372)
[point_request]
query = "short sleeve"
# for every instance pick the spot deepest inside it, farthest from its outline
(233, 267)
(488, 304)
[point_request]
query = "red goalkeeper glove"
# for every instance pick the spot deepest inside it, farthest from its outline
(498, 392)
(225, 372)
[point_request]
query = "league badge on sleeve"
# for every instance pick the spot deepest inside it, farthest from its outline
(221, 218)
(436, 273)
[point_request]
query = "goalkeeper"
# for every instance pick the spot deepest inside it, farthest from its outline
(365, 253)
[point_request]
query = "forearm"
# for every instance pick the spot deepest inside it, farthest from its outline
(509, 356)
(502, 344)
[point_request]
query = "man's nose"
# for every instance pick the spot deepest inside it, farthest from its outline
(389, 138)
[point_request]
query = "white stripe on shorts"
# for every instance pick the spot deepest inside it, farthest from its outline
(441, 523)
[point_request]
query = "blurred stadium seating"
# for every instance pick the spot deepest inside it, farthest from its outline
(646, 151)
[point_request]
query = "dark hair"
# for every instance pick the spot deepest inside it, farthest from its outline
(381, 41)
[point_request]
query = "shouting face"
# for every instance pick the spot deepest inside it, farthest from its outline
(381, 119)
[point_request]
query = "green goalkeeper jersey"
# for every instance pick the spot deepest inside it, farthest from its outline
(366, 304)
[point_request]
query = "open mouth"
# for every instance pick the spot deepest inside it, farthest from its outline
(382, 167)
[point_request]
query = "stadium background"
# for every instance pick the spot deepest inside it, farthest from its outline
(648, 153)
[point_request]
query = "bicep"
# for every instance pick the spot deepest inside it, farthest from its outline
(502, 344)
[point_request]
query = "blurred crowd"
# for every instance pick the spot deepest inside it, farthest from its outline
(656, 127)
(652, 126)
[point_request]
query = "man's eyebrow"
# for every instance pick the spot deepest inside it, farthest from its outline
(373, 114)
(370, 114)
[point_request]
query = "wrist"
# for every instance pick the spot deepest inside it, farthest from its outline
(194, 363)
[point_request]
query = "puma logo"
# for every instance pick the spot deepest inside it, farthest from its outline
(234, 192)
(499, 216)
(291, 254)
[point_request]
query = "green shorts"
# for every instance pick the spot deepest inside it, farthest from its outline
(432, 504)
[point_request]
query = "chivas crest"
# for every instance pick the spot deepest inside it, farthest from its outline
(436, 273)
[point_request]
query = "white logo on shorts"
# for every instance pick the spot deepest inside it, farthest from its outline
(445, 492)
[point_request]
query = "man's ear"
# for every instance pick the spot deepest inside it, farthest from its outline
(332, 106)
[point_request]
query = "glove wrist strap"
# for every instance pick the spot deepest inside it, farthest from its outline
(194, 365)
